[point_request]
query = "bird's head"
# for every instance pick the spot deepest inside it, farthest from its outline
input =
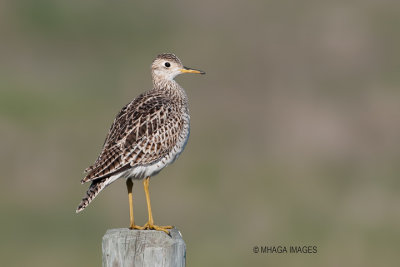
(168, 66)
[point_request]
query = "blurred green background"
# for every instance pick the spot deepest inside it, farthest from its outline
(295, 128)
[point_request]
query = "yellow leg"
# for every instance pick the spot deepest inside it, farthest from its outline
(150, 223)
(129, 185)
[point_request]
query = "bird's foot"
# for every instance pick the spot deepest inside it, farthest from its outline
(150, 226)
(136, 227)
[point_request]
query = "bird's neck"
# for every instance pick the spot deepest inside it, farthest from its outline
(160, 83)
(171, 87)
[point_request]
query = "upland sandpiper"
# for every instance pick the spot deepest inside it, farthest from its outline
(147, 135)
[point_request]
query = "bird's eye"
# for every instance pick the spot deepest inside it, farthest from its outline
(167, 64)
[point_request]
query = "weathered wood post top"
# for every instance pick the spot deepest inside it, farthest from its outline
(124, 247)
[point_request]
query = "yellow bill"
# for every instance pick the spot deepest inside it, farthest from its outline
(190, 70)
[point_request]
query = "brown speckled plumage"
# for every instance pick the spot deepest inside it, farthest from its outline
(148, 134)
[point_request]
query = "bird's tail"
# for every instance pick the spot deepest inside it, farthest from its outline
(94, 189)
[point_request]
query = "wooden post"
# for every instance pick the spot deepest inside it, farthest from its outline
(123, 247)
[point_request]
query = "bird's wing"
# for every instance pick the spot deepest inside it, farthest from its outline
(143, 132)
